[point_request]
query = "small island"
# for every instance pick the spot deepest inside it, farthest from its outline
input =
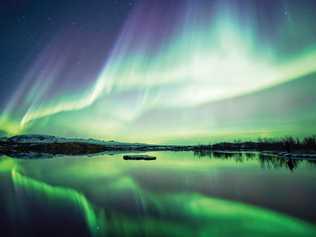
(139, 157)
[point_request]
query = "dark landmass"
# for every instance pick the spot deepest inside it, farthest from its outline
(37, 146)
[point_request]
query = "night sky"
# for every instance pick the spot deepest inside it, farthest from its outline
(171, 71)
(28, 27)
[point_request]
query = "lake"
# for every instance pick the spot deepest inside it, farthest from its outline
(179, 194)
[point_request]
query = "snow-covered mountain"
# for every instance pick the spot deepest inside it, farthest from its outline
(35, 138)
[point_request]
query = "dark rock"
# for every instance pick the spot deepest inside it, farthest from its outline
(139, 157)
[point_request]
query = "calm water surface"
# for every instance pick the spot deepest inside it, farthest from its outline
(179, 194)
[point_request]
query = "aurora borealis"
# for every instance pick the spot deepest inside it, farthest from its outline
(158, 71)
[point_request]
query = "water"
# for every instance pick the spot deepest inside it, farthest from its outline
(179, 194)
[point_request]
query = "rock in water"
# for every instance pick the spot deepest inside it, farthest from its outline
(139, 157)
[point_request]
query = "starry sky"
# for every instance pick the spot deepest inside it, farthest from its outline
(176, 71)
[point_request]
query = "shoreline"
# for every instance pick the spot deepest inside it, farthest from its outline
(41, 144)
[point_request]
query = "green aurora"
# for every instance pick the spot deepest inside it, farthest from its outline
(167, 72)
(152, 85)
